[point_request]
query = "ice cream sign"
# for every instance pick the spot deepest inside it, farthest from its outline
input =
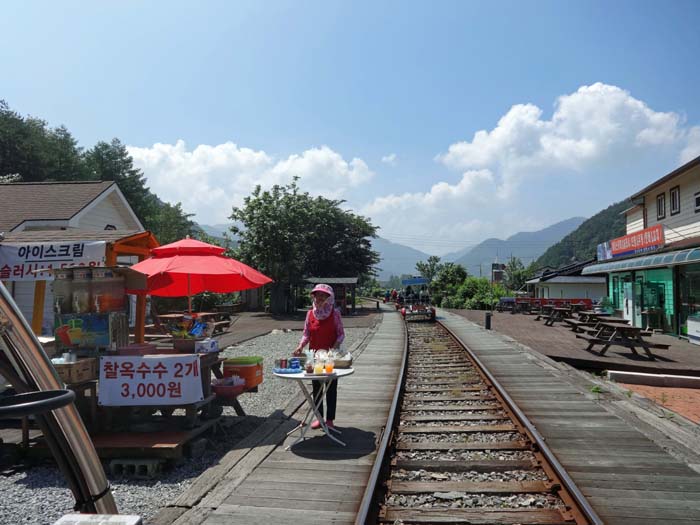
(646, 240)
(20, 262)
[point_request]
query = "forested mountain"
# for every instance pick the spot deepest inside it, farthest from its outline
(31, 151)
(396, 259)
(581, 243)
(526, 246)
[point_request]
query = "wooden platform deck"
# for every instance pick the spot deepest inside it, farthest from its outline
(316, 481)
(627, 477)
(558, 342)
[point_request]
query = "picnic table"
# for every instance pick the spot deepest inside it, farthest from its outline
(620, 334)
(591, 315)
(522, 306)
(559, 313)
(545, 311)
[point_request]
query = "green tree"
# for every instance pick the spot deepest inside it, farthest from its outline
(111, 161)
(289, 235)
(430, 268)
(170, 223)
(478, 293)
(29, 148)
(515, 274)
(449, 277)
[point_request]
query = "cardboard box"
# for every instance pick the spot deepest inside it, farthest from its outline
(85, 369)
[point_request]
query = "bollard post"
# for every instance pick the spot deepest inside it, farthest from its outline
(377, 305)
(487, 322)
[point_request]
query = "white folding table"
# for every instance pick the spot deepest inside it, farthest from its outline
(301, 379)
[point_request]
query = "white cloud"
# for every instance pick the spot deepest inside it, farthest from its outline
(210, 180)
(692, 150)
(600, 145)
(390, 159)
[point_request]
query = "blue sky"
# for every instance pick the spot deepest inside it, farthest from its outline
(444, 122)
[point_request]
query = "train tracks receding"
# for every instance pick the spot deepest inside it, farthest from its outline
(462, 453)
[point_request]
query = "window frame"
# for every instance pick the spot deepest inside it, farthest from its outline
(661, 206)
(677, 191)
(697, 201)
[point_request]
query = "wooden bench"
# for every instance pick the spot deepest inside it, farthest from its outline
(620, 335)
(591, 338)
(577, 325)
(221, 326)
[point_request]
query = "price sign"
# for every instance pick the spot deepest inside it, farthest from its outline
(150, 380)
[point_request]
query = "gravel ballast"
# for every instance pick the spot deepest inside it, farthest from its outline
(38, 494)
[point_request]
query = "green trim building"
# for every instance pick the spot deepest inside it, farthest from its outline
(653, 272)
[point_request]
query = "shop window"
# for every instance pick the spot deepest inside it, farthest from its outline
(660, 206)
(675, 195)
(697, 202)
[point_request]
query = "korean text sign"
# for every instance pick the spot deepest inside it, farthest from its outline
(19, 262)
(150, 380)
(646, 240)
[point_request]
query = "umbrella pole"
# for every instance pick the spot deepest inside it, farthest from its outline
(189, 296)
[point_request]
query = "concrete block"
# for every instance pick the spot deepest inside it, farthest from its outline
(197, 447)
(639, 378)
(142, 468)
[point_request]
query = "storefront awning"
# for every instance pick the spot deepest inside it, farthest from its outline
(647, 261)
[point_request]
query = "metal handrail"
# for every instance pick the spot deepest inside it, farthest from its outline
(33, 403)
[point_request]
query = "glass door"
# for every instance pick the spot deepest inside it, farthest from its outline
(638, 303)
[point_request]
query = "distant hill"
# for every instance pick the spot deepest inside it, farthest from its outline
(396, 259)
(216, 230)
(453, 256)
(580, 244)
(527, 246)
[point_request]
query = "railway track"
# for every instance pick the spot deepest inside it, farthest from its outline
(461, 452)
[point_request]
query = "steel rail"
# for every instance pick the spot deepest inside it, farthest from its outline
(558, 468)
(370, 490)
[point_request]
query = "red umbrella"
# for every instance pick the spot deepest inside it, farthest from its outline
(189, 266)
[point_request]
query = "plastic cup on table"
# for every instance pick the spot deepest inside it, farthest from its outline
(329, 366)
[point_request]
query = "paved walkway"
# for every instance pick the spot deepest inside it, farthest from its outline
(560, 343)
(629, 470)
(316, 481)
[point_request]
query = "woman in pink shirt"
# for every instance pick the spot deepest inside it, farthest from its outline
(323, 330)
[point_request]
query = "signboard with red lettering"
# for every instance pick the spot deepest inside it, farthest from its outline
(150, 380)
(646, 240)
(19, 262)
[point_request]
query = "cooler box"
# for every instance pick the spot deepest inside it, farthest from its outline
(249, 368)
(206, 345)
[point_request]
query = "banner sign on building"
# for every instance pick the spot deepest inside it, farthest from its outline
(19, 262)
(646, 240)
(150, 380)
